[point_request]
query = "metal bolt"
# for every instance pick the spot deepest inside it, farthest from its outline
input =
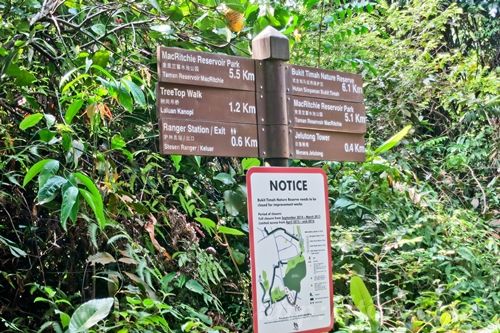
(263, 130)
(290, 123)
(261, 87)
(287, 89)
(262, 119)
(261, 96)
(288, 98)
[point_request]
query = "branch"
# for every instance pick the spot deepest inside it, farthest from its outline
(123, 26)
(485, 204)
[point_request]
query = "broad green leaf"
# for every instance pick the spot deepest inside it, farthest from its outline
(466, 254)
(46, 135)
(176, 159)
(89, 313)
(195, 286)
(445, 318)
(73, 110)
(230, 231)
(49, 190)
(247, 163)
(30, 121)
(225, 178)
(101, 58)
(393, 140)
(125, 99)
(89, 183)
(70, 196)
(93, 198)
(64, 318)
(207, 224)
(23, 77)
(234, 202)
(48, 170)
(341, 203)
(50, 120)
(362, 298)
(136, 92)
(99, 29)
(35, 170)
(117, 142)
(238, 256)
(95, 206)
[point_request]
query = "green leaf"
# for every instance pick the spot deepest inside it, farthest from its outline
(70, 196)
(230, 231)
(64, 318)
(238, 256)
(73, 110)
(195, 286)
(46, 135)
(393, 140)
(93, 198)
(35, 170)
(23, 77)
(225, 178)
(247, 163)
(101, 58)
(30, 121)
(90, 313)
(176, 159)
(136, 92)
(125, 99)
(466, 254)
(234, 202)
(445, 318)
(89, 183)
(207, 224)
(99, 29)
(117, 142)
(48, 171)
(362, 298)
(95, 206)
(49, 190)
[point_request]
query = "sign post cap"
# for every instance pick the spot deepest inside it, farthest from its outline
(270, 44)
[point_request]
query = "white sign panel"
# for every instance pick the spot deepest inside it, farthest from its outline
(290, 250)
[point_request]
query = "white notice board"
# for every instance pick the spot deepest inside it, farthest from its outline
(290, 250)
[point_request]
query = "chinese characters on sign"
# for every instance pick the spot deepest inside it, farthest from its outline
(206, 105)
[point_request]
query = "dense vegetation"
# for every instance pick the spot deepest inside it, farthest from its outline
(90, 210)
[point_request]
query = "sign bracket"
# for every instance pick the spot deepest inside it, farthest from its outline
(271, 50)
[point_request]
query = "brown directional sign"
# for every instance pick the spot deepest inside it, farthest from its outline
(322, 145)
(322, 83)
(205, 69)
(327, 115)
(207, 138)
(177, 101)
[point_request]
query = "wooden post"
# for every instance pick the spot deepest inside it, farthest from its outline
(271, 50)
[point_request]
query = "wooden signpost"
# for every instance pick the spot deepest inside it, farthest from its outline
(219, 105)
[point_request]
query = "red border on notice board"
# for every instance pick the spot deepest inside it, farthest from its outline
(252, 239)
